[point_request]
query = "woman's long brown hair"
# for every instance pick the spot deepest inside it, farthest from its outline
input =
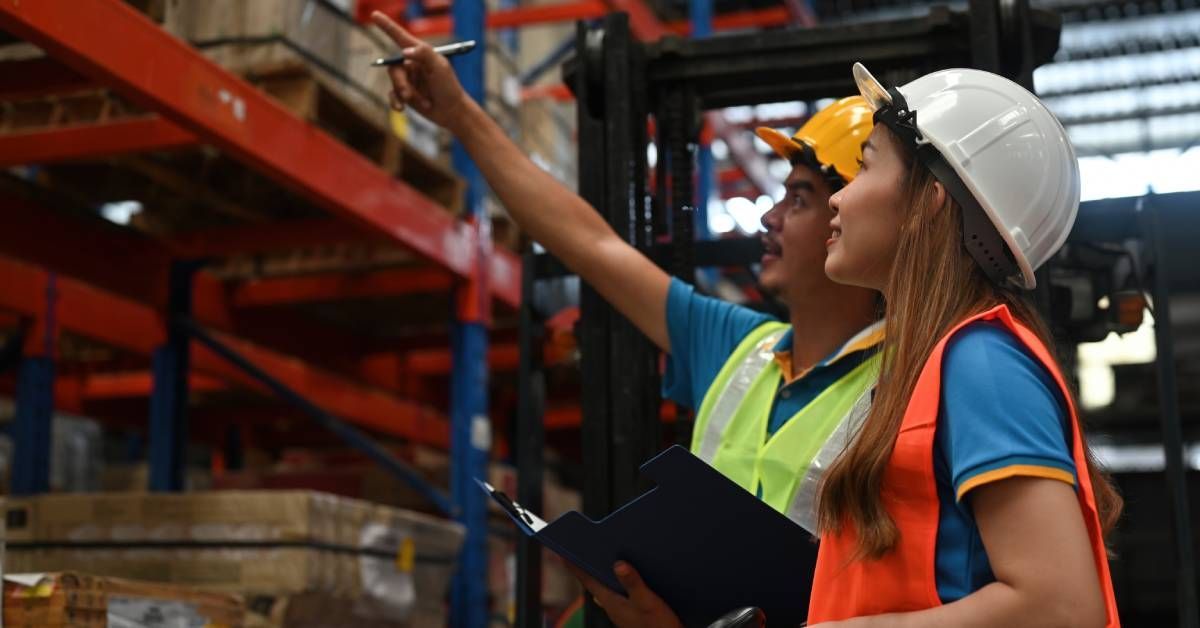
(934, 284)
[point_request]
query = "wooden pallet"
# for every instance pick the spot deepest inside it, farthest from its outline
(320, 100)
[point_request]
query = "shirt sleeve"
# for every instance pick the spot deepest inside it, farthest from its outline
(1002, 414)
(704, 331)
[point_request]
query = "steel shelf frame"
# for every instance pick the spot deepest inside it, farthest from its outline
(164, 74)
(197, 99)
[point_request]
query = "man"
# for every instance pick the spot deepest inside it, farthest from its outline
(768, 399)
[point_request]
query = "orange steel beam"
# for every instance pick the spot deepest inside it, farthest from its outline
(429, 362)
(136, 328)
(642, 21)
(315, 288)
(89, 141)
(557, 92)
(567, 417)
(135, 266)
(740, 20)
(43, 76)
(280, 236)
(130, 384)
(164, 74)
(91, 249)
(502, 357)
(514, 18)
(370, 408)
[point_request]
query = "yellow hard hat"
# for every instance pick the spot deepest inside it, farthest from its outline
(831, 141)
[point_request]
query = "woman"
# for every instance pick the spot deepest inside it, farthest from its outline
(968, 497)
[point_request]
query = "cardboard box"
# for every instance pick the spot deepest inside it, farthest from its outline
(241, 35)
(273, 543)
(265, 37)
(351, 477)
(76, 600)
(118, 478)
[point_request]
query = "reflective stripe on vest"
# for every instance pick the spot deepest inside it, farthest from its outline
(753, 354)
(905, 579)
(803, 509)
(731, 427)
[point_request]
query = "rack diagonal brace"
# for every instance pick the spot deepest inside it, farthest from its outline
(340, 428)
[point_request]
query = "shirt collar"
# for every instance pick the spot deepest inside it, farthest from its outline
(866, 338)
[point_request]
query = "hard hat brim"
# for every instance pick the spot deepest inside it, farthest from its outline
(870, 87)
(784, 146)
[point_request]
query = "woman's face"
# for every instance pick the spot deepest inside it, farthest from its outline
(867, 215)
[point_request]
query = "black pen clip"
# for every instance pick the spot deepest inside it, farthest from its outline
(512, 507)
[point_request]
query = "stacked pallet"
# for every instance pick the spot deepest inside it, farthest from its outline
(330, 54)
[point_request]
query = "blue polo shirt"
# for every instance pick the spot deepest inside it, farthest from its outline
(705, 331)
(1001, 415)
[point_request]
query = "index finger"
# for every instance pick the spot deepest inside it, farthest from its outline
(389, 26)
(639, 593)
(605, 597)
(584, 578)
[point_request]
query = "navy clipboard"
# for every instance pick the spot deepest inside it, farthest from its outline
(703, 543)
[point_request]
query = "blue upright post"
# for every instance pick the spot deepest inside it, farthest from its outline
(413, 10)
(469, 18)
(470, 442)
(168, 400)
(701, 12)
(31, 433)
(704, 186)
(35, 403)
(470, 430)
(510, 38)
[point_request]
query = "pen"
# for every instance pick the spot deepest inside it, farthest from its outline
(449, 50)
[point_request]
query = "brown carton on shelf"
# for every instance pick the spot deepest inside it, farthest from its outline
(270, 543)
(76, 600)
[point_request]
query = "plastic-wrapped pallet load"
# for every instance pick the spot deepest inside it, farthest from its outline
(371, 562)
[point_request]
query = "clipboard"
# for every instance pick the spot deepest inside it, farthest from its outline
(701, 542)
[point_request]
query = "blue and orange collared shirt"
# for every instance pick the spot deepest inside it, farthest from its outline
(704, 333)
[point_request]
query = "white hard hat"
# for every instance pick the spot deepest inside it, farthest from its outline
(999, 152)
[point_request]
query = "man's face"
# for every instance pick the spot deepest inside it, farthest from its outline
(797, 230)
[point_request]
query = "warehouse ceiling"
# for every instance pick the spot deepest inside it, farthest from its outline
(1125, 82)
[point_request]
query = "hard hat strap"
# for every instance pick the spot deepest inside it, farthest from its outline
(980, 236)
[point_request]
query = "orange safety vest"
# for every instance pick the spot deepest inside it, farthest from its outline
(905, 579)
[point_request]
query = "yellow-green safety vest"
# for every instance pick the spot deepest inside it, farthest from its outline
(731, 426)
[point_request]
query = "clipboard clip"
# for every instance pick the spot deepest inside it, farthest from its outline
(512, 508)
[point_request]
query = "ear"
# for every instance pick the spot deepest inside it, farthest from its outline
(939, 194)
